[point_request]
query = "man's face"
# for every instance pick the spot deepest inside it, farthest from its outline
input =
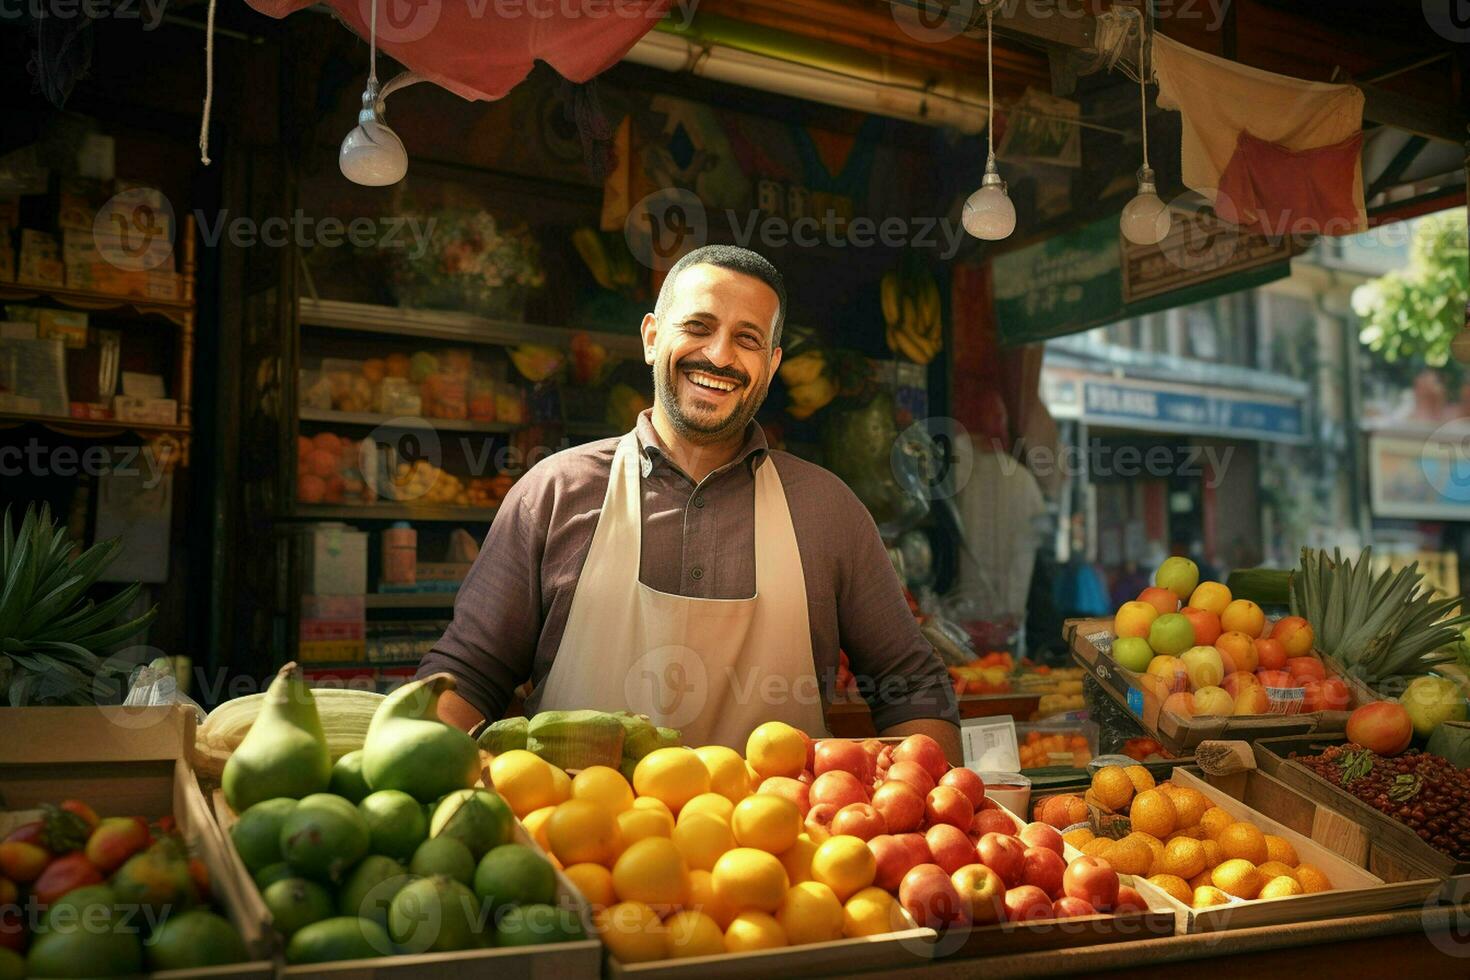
(711, 353)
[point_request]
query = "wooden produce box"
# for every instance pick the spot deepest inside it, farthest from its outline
(1091, 640)
(132, 762)
(1006, 938)
(550, 962)
(1394, 852)
(1355, 891)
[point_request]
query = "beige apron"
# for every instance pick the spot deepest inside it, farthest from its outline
(712, 668)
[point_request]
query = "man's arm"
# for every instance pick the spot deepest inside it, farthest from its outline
(491, 641)
(946, 733)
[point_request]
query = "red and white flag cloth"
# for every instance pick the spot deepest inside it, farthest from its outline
(1286, 153)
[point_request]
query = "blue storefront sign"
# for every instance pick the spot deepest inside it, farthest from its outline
(1163, 408)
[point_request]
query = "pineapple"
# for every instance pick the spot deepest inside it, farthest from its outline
(52, 638)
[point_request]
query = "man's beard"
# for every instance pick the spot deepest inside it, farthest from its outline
(692, 426)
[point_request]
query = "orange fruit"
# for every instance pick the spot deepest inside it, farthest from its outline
(1152, 813)
(525, 781)
(701, 838)
(1190, 805)
(810, 913)
(1213, 854)
(1079, 837)
(1312, 879)
(652, 871)
(1206, 896)
(1183, 857)
(535, 824)
(1280, 849)
(671, 775)
(797, 859)
(715, 804)
(1173, 886)
(870, 912)
(766, 821)
(747, 878)
(1237, 877)
(776, 749)
(691, 933)
(1134, 618)
(640, 822)
(1275, 869)
(1130, 856)
(580, 831)
(604, 786)
(1244, 841)
(845, 865)
(1282, 886)
(1140, 777)
(1214, 820)
(727, 773)
(594, 882)
(561, 785)
(1211, 597)
(751, 931)
(1243, 616)
(1097, 847)
(702, 898)
(1113, 787)
(1201, 880)
(632, 932)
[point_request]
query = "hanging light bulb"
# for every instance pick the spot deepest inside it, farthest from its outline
(989, 213)
(372, 154)
(1146, 218)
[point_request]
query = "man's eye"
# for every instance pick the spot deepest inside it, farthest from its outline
(696, 326)
(750, 341)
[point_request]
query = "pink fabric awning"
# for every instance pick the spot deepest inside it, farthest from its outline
(481, 49)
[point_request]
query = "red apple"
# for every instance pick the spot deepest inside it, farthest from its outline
(1070, 908)
(1004, 855)
(952, 850)
(839, 787)
(873, 747)
(893, 859)
(1044, 868)
(793, 789)
(1027, 904)
(984, 890)
(859, 820)
(967, 781)
(901, 805)
(912, 773)
(819, 821)
(928, 894)
(1382, 726)
(1129, 901)
(946, 804)
(811, 751)
(806, 778)
(1093, 880)
(885, 759)
(926, 752)
(992, 822)
(840, 755)
(917, 847)
(987, 804)
(1042, 835)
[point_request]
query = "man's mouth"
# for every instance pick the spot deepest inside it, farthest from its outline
(710, 382)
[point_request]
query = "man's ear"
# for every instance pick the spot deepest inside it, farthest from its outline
(775, 361)
(649, 331)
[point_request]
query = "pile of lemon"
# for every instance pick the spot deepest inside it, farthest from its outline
(689, 860)
(1194, 851)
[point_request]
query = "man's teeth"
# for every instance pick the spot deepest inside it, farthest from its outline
(710, 381)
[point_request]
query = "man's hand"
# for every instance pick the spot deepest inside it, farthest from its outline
(947, 735)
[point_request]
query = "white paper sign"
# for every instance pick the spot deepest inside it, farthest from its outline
(990, 744)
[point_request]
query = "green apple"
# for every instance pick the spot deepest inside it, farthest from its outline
(1171, 634)
(1132, 653)
(1213, 701)
(1204, 666)
(1432, 701)
(1178, 575)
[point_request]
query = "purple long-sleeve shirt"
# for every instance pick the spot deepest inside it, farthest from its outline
(698, 541)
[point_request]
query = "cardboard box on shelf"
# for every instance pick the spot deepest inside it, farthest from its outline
(78, 200)
(338, 608)
(70, 326)
(333, 651)
(40, 259)
(333, 560)
(154, 411)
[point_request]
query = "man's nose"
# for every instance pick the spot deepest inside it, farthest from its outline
(720, 350)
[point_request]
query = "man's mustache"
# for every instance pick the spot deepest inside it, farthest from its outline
(705, 367)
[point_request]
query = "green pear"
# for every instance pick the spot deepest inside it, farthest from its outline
(285, 751)
(409, 749)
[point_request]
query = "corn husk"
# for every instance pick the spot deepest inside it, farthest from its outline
(576, 739)
(1451, 740)
(345, 715)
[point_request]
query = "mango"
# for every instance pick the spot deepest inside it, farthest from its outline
(157, 881)
(12, 965)
(477, 818)
(536, 924)
(434, 915)
(341, 938)
(370, 888)
(105, 947)
(194, 939)
(409, 749)
(347, 779)
(514, 874)
(257, 834)
(23, 861)
(80, 909)
(115, 840)
(272, 873)
(324, 837)
(296, 903)
(396, 823)
(285, 751)
(66, 873)
(443, 856)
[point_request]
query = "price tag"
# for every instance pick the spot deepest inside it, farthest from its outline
(990, 744)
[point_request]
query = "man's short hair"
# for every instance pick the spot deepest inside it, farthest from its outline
(736, 259)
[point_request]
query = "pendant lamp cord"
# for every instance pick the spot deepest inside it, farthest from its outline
(208, 85)
(989, 89)
(1143, 86)
(372, 45)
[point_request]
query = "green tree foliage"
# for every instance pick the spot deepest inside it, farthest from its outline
(1412, 314)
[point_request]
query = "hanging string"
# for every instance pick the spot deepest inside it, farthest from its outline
(372, 46)
(208, 85)
(989, 89)
(1143, 87)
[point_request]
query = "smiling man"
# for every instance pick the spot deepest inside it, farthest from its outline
(684, 570)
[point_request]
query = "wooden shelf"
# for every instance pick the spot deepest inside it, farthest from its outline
(67, 425)
(410, 600)
(174, 310)
(311, 665)
(372, 420)
(390, 511)
(463, 328)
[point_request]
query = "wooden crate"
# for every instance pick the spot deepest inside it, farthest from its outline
(131, 762)
(907, 948)
(1394, 852)
(549, 962)
(1355, 892)
(1090, 641)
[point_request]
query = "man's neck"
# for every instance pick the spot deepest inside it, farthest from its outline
(698, 459)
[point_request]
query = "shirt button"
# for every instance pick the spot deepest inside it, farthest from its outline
(696, 573)
(699, 501)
